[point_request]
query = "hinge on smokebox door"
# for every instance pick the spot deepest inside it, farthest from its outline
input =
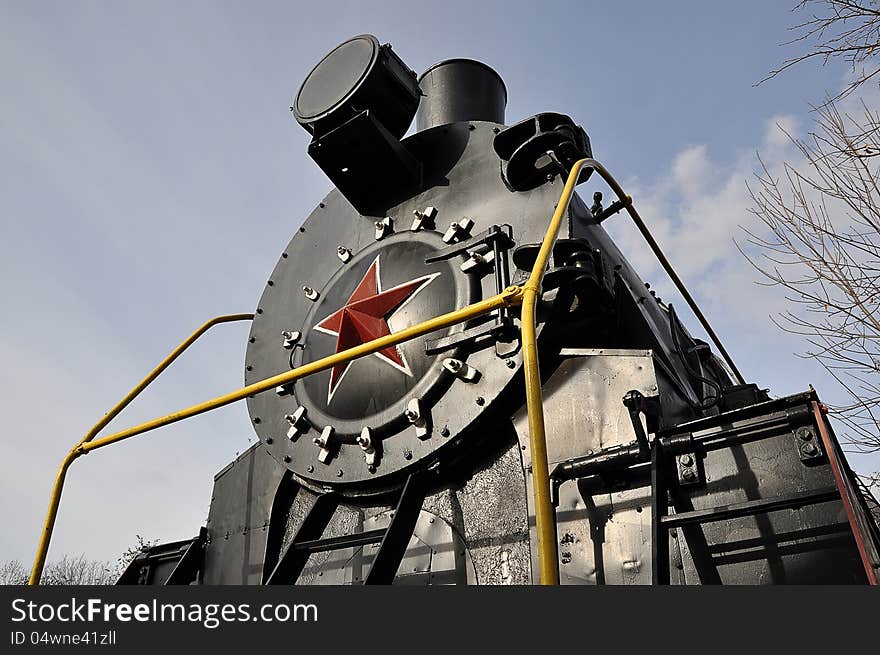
(486, 250)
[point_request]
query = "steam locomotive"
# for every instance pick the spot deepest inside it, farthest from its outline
(413, 465)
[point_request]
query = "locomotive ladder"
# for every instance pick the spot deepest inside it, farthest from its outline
(392, 540)
(663, 450)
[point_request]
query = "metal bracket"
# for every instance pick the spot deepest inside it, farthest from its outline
(419, 418)
(298, 423)
(324, 441)
(365, 441)
(461, 369)
(424, 219)
(499, 238)
(311, 294)
(638, 404)
(383, 227)
(458, 230)
(289, 339)
(478, 262)
(456, 339)
(503, 234)
(688, 469)
(284, 389)
(808, 446)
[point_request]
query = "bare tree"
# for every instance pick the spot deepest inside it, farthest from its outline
(838, 29)
(78, 571)
(13, 572)
(75, 570)
(818, 235)
(821, 242)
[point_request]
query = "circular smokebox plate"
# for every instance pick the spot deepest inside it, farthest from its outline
(336, 77)
(397, 290)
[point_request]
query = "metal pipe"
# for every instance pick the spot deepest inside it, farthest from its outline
(667, 266)
(509, 297)
(545, 520)
(77, 450)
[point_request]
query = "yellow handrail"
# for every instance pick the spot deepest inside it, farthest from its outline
(545, 521)
(527, 295)
(77, 450)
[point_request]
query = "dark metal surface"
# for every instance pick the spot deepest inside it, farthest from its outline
(753, 469)
(239, 518)
(358, 74)
(461, 180)
(460, 90)
(176, 563)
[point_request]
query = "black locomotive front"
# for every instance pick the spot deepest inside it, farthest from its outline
(412, 464)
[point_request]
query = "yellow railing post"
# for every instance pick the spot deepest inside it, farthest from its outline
(77, 450)
(545, 519)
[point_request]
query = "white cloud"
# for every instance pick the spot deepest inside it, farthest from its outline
(695, 211)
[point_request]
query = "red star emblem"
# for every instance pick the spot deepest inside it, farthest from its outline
(364, 317)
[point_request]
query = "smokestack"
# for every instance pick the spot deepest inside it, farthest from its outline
(460, 90)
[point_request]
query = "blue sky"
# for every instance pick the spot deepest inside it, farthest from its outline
(150, 173)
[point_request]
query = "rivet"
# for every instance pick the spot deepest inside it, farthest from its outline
(472, 127)
(302, 229)
(269, 440)
(310, 468)
(287, 459)
(407, 454)
(249, 368)
(686, 460)
(259, 311)
(321, 205)
(339, 473)
(444, 431)
(284, 255)
(252, 339)
(270, 283)
(510, 363)
(480, 400)
(256, 419)
(496, 130)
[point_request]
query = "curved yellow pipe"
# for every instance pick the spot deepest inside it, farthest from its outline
(79, 448)
(545, 519)
(509, 297)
